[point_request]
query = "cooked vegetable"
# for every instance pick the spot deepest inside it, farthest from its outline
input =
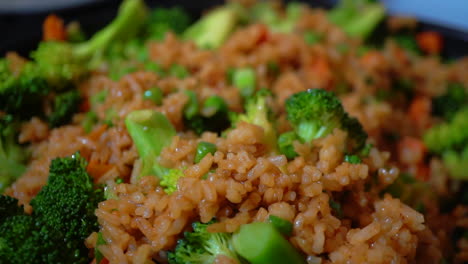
(212, 115)
(284, 226)
(64, 107)
(266, 13)
(285, 144)
(201, 246)
(213, 28)
(162, 20)
(257, 112)
(63, 211)
(203, 148)
(151, 131)
(448, 104)
(245, 80)
(316, 113)
(358, 18)
(12, 155)
(274, 249)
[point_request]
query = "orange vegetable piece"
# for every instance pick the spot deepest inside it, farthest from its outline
(411, 150)
(430, 42)
(54, 29)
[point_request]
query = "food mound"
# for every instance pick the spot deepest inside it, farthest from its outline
(257, 133)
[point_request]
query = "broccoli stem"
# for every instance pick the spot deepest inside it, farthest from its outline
(363, 25)
(151, 131)
(212, 29)
(273, 249)
(131, 16)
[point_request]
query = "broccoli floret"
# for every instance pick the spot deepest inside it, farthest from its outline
(408, 42)
(448, 104)
(9, 207)
(257, 113)
(168, 177)
(62, 218)
(62, 63)
(12, 155)
(162, 20)
(213, 28)
(409, 190)
(285, 144)
(65, 105)
(201, 246)
(451, 135)
(316, 113)
(357, 17)
(212, 115)
(21, 93)
(457, 163)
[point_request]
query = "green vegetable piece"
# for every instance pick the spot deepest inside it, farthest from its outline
(357, 17)
(168, 177)
(201, 246)
(257, 113)
(154, 94)
(192, 106)
(98, 98)
(312, 38)
(154, 67)
(97, 254)
(285, 144)
(150, 131)
(163, 20)
(245, 80)
(336, 207)
(12, 156)
(274, 249)
(284, 226)
(457, 163)
(203, 148)
(64, 107)
(451, 135)
(448, 104)
(213, 28)
(89, 121)
(353, 159)
(178, 71)
(212, 105)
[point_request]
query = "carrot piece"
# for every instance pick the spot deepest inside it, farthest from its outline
(422, 172)
(54, 29)
(411, 150)
(430, 42)
(321, 70)
(96, 169)
(420, 109)
(96, 133)
(372, 59)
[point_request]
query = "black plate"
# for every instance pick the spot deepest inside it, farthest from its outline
(22, 28)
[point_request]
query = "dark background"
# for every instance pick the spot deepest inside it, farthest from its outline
(22, 29)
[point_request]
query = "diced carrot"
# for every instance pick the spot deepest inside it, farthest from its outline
(422, 172)
(85, 106)
(372, 59)
(411, 150)
(430, 42)
(96, 133)
(54, 29)
(321, 70)
(420, 109)
(96, 169)
(104, 261)
(263, 34)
